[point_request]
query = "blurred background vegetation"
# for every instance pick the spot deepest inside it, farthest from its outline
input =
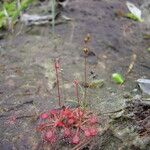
(10, 11)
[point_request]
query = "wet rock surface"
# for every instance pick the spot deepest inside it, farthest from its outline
(27, 76)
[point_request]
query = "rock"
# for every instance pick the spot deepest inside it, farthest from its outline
(137, 96)
(127, 95)
(142, 143)
(145, 7)
(144, 85)
(124, 134)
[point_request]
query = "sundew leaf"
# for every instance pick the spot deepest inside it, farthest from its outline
(117, 78)
(135, 12)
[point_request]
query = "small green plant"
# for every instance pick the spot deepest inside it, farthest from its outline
(117, 78)
(10, 11)
(133, 17)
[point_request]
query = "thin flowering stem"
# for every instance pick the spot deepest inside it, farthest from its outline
(57, 66)
(78, 99)
(85, 78)
(86, 51)
(77, 91)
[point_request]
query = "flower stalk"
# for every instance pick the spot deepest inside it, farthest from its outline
(76, 84)
(86, 52)
(57, 67)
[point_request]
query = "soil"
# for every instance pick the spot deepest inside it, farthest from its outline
(27, 75)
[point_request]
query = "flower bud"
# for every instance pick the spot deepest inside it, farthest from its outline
(85, 50)
(87, 38)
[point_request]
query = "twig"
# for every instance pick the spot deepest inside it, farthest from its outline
(133, 59)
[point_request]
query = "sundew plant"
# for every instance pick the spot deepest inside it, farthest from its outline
(69, 124)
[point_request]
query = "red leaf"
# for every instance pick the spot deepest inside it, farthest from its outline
(54, 112)
(49, 136)
(71, 121)
(75, 139)
(67, 132)
(44, 116)
(93, 119)
(93, 131)
(87, 133)
(66, 113)
(59, 124)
